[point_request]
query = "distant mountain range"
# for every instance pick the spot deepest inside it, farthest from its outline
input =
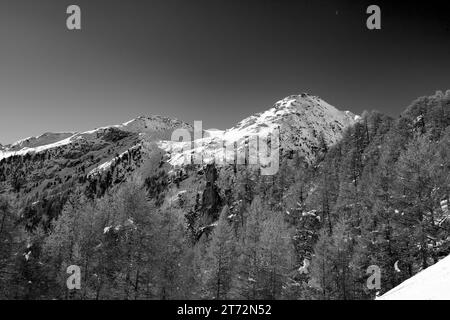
(56, 162)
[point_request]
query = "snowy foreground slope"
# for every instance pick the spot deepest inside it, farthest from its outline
(432, 283)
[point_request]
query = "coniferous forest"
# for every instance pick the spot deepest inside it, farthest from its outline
(378, 197)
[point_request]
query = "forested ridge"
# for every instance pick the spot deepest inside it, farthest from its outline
(377, 197)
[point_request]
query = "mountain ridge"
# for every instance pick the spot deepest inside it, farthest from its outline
(143, 124)
(303, 120)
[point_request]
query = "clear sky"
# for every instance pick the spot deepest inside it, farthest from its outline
(211, 60)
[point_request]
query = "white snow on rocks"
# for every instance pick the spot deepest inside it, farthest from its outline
(301, 119)
(104, 166)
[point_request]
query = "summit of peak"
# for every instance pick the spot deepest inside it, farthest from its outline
(304, 97)
(303, 107)
(301, 120)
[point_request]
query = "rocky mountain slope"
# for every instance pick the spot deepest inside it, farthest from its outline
(304, 122)
(40, 172)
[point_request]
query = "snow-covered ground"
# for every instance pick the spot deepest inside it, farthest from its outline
(432, 283)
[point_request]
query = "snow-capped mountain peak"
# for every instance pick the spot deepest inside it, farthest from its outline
(303, 122)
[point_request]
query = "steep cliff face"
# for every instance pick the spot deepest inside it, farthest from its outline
(211, 199)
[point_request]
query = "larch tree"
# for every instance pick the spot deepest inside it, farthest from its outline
(220, 258)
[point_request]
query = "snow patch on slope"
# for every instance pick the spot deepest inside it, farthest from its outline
(43, 139)
(104, 166)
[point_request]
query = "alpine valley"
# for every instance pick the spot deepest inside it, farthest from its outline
(352, 191)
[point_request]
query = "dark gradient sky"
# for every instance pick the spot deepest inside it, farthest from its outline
(210, 60)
